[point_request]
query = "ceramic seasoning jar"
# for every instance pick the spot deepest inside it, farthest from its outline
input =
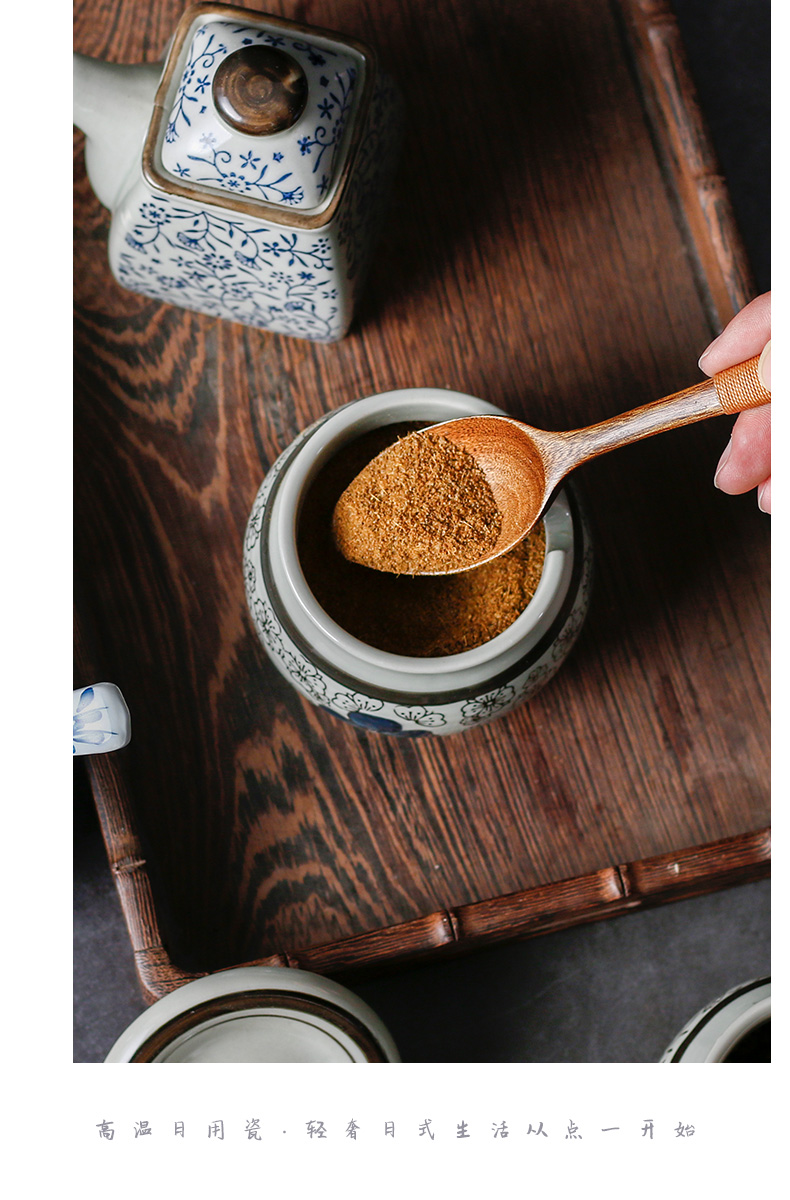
(736, 1027)
(247, 176)
(372, 687)
(257, 1015)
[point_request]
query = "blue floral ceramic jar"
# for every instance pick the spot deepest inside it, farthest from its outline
(247, 176)
(372, 688)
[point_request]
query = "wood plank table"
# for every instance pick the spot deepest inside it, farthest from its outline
(560, 243)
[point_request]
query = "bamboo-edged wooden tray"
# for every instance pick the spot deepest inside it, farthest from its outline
(560, 243)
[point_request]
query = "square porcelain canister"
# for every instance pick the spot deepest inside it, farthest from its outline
(247, 177)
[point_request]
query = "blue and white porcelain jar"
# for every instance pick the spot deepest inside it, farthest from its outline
(247, 176)
(372, 688)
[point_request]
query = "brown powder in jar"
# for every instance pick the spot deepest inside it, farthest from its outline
(423, 504)
(423, 616)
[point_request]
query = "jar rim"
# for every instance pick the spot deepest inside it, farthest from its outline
(352, 420)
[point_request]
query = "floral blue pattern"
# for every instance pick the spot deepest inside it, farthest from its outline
(248, 178)
(88, 714)
(213, 224)
(375, 724)
(101, 719)
(333, 107)
(203, 55)
(199, 148)
(232, 267)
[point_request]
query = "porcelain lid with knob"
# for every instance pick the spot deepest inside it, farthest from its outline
(257, 114)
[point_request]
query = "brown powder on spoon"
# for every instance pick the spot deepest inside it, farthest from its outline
(423, 505)
(421, 616)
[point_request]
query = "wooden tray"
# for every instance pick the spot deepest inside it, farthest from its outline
(561, 244)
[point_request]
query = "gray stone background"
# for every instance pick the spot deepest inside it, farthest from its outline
(615, 991)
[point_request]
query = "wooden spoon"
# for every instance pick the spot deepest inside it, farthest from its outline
(524, 465)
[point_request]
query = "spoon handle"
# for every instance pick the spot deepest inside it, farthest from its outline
(740, 387)
(730, 391)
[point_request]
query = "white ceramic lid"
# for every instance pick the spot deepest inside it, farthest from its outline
(213, 129)
(257, 1015)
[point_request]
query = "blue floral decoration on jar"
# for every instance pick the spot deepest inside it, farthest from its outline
(373, 724)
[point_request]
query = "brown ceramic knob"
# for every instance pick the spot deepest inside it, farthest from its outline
(260, 90)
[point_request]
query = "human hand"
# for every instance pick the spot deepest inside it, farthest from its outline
(746, 462)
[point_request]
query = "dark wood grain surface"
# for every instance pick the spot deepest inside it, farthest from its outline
(541, 253)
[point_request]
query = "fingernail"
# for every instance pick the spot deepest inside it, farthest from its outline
(722, 463)
(764, 367)
(764, 497)
(705, 353)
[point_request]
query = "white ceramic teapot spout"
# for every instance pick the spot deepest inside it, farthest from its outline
(112, 107)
